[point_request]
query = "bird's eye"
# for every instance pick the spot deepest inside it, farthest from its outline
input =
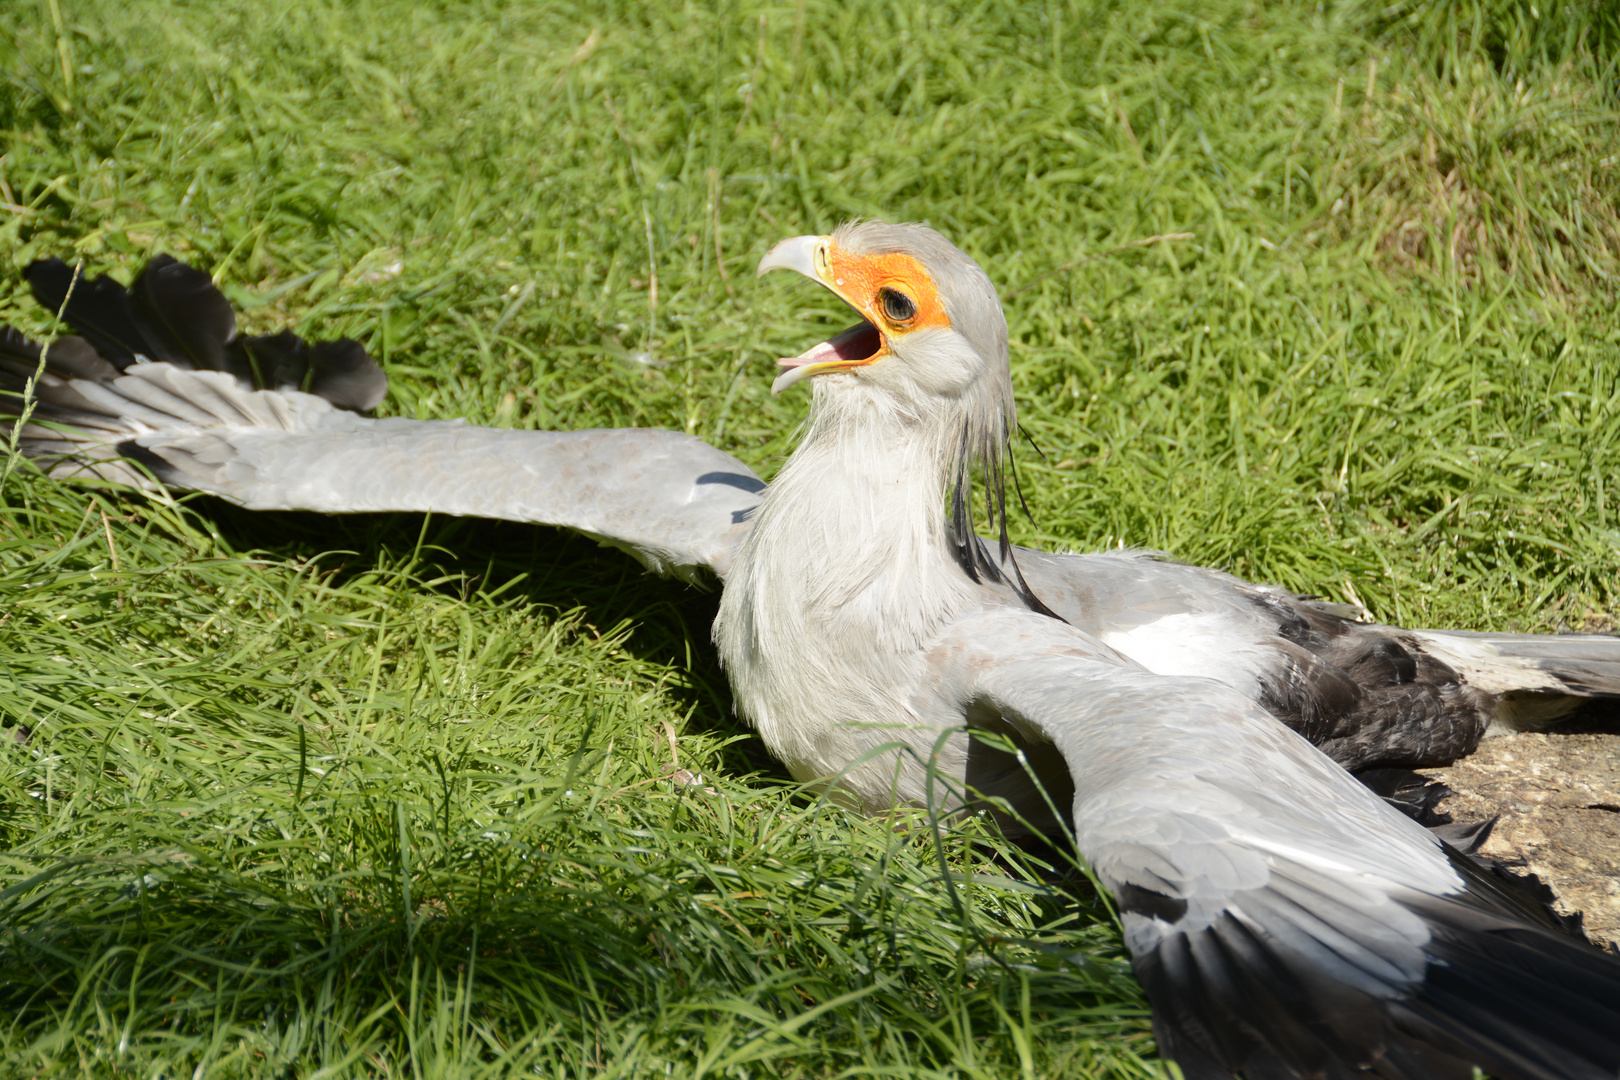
(897, 306)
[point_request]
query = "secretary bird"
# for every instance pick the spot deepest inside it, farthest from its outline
(1285, 921)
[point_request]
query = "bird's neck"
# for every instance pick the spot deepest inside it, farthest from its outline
(847, 571)
(854, 525)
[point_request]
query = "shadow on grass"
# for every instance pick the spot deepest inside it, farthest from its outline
(559, 933)
(546, 567)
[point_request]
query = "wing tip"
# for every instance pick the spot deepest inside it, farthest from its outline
(173, 313)
(1244, 996)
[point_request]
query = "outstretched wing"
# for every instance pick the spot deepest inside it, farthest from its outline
(1285, 921)
(161, 387)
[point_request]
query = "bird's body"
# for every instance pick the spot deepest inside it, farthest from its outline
(1286, 921)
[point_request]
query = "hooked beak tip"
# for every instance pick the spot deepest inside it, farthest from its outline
(796, 253)
(790, 376)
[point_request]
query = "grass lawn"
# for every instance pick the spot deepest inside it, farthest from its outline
(1319, 293)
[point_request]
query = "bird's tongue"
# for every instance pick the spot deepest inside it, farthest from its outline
(854, 346)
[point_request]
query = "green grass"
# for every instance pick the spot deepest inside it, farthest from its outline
(1319, 293)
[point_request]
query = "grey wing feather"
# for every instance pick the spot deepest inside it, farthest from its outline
(1285, 921)
(671, 500)
(1578, 664)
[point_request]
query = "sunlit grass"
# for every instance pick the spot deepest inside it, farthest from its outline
(1321, 294)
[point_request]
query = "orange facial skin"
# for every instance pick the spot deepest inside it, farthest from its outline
(860, 280)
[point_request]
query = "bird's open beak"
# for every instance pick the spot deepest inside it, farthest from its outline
(859, 345)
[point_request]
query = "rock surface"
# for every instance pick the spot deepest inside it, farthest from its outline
(1558, 797)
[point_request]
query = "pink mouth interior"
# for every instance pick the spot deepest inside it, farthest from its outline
(859, 343)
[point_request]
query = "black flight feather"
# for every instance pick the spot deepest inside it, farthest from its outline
(173, 313)
(1257, 993)
(97, 308)
(186, 320)
(346, 375)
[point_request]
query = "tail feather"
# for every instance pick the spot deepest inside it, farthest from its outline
(1604, 647)
(1583, 665)
(1591, 678)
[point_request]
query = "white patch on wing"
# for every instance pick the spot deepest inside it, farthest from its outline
(1195, 645)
